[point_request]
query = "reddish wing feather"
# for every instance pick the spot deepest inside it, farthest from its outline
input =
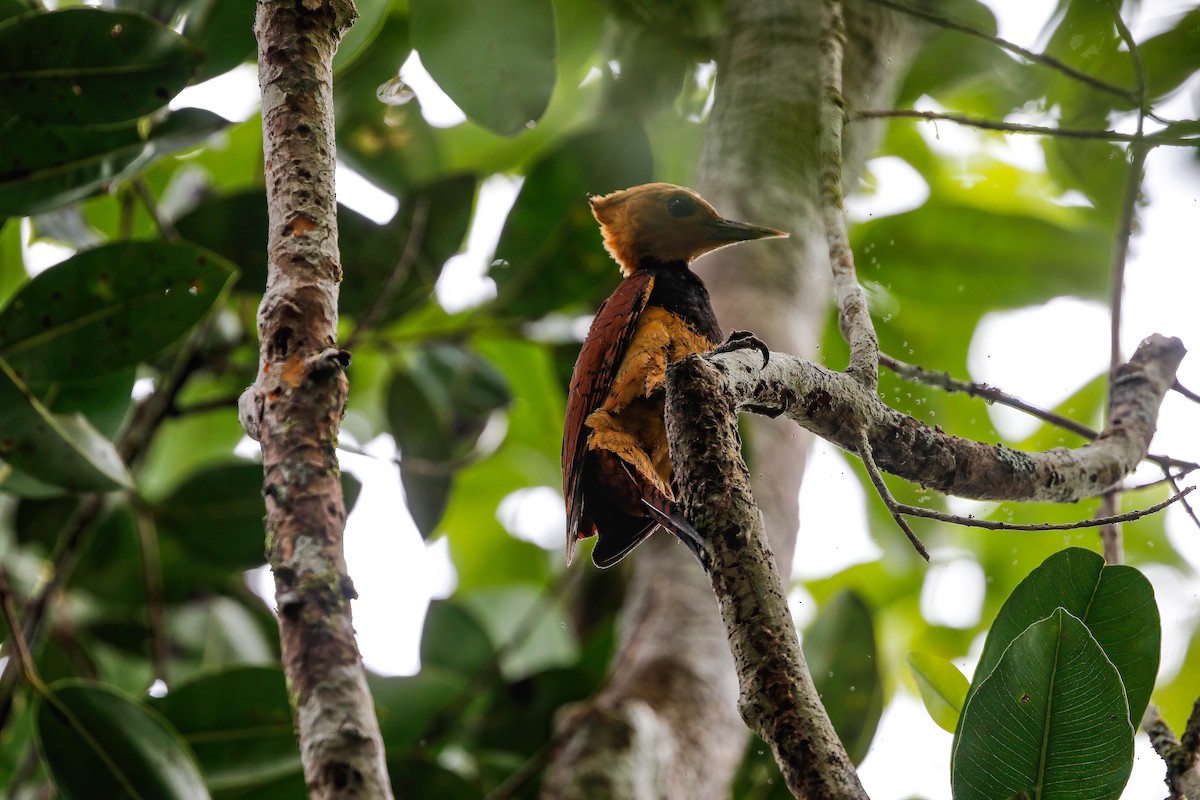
(594, 372)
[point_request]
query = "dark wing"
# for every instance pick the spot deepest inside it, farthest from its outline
(594, 373)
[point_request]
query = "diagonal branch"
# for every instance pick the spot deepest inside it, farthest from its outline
(1016, 49)
(1153, 140)
(778, 699)
(854, 318)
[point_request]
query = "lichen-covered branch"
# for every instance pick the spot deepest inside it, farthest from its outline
(1180, 755)
(854, 318)
(777, 697)
(835, 407)
(704, 395)
(295, 406)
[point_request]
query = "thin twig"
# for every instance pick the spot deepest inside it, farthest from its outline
(126, 201)
(16, 636)
(1150, 140)
(947, 382)
(1039, 58)
(156, 615)
(993, 525)
(395, 279)
(1110, 534)
(165, 229)
(1186, 392)
(526, 772)
(893, 507)
(854, 318)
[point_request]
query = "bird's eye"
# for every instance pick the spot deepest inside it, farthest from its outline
(680, 205)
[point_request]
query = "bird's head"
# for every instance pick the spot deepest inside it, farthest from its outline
(665, 223)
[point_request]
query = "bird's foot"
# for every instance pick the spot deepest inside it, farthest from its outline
(743, 340)
(678, 525)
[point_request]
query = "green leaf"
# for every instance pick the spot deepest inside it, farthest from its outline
(86, 66)
(65, 451)
(437, 406)
(1050, 720)
(109, 308)
(224, 30)
(239, 724)
(843, 659)
(1116, 603)
(372, 14)
(943, 688)
(184, 129)
(407, 706)
(216, 515)
(501, 611)
(100, 743)
(12, 263)
(495, 60)
(454, 640)
(104, 400)
(46, 166)
(235, 226)
(550, 225)
(11, 8)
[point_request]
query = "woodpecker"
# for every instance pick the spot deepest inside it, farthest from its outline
(617, 473)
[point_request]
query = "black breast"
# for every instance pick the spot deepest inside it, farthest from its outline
(680, 291)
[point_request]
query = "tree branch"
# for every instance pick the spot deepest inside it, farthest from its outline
(832, 406)
(295, 406)
(1151, 140)
(778, 699)
(854, 318)
(1183, 771)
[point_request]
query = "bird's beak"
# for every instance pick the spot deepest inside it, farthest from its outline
(726, 230)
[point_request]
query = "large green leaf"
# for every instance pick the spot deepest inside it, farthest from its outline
(1050, 721)
(407, 707)
(843, 659)
(216, 515)
(46, 166)
(239, 724)
(224, 30)
(454, 640)
(437, 406)
(372, 14)
(496, 60)
(109, 308)
(550, 252)
(943, 688)
(43, 167)
(100, 743)
(1116, 603)
(64, 450)
(235, 226)
(86, 66)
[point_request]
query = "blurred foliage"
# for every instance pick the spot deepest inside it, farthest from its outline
(575, 97)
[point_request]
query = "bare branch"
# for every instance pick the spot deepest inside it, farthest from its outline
(1149, 140)
(833, 406)
(156, 615)
(165, 229)
(1038, 58)
(994, 525)
(896, 509)
(1186, 392)
(854, 318)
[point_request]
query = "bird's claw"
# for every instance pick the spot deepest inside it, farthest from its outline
(742, 340)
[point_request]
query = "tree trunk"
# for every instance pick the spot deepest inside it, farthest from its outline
(667, 724)
(294, 408)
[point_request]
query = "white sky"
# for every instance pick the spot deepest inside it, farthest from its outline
(1042, 354)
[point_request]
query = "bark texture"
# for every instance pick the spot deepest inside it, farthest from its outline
(834, 406)
(777, 697)
(294, 408)
(673, 674)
